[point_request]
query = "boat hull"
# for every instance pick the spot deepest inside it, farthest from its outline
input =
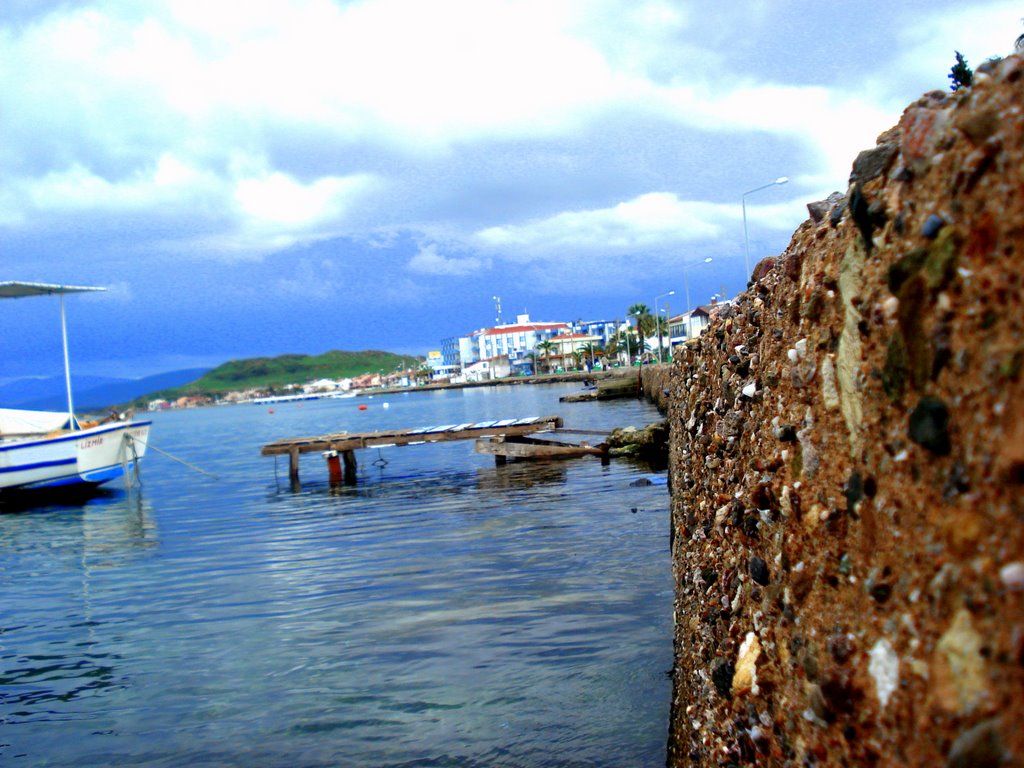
(88, 456)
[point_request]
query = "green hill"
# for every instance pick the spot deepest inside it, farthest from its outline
(274, 372)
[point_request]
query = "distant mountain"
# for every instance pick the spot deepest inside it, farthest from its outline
(90, 392)
(93, 393)
(21, 392)
(269, 372)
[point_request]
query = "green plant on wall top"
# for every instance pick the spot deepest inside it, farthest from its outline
(961, 74)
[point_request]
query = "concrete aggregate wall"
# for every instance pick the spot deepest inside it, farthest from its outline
(656, 383)
(847, 458)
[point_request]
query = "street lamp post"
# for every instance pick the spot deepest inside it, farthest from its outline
(686, 287)
(746, 243)
(657, 320)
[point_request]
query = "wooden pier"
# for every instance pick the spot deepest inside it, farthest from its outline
(339, 448)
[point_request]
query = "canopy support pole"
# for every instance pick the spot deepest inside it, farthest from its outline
(67, 364)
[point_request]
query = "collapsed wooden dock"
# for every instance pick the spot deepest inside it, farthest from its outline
(504, 439)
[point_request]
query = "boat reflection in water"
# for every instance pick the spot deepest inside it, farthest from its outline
(69, 546)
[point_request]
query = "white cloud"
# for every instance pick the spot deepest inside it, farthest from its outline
(309, 280)
(179, 110)
(978, 30)
(429, 261)
(276, 199)
(651, 221)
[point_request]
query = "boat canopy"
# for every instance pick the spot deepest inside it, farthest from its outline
(16, 290)
(18, 422)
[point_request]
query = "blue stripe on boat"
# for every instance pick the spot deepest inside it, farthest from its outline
(71, 436)
(94, 477)
(38, 465)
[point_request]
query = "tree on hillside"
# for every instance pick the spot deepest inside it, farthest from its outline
(961, 74)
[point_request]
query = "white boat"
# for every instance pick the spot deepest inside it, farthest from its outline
(45, 449)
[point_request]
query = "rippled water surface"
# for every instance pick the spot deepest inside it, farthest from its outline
(444, 612)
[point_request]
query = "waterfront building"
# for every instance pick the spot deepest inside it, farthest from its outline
(450, 352)
(469, 349)
(603, 330)
(566, 345)
(690, 325)
(440, 369)
(511, 349)
(517, 341)
(486, 370)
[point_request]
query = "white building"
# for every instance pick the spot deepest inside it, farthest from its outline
(689, 325)
(567, 344)
(517, 341)
(485, 370)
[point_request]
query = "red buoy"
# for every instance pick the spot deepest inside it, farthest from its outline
(362, 407)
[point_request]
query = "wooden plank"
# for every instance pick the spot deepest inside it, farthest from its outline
(343, 441)
(536, 449)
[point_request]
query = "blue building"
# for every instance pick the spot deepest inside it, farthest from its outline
(450, 351)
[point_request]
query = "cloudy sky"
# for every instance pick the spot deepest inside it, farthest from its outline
(332, 174)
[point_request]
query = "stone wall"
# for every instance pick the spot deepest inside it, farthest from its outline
(655, 384)
(847, 462)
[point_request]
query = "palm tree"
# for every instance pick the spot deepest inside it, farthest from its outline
(423, 374)
(545, 348)
(644, 323)
(611, 348)
(591, 351)
(625, 341)
(662, 329)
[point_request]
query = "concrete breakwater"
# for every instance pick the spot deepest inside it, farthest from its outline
(847, 458)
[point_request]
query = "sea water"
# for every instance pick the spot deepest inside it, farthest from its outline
(442, 612)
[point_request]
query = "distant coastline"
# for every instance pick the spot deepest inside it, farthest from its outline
(546, 378)
(543, 378)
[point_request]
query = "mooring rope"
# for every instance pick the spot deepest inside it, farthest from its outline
(172, 457)
(130, 469)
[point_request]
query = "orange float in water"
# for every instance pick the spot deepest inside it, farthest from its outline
(362, 407)
(270, 410)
